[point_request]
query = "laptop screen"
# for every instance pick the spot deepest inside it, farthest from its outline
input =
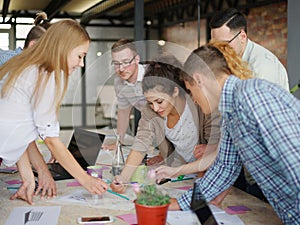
(85, 146)
(201, 208)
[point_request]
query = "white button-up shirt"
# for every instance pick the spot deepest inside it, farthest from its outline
(21, 119)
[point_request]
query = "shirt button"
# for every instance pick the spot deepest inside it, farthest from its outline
(275, 200)
(289, 215)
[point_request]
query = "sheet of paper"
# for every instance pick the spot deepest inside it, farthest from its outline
(107, 200)
(223, 218)
(182, 217)
(189, 218)
(38, 215)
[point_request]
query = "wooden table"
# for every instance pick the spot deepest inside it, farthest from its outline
(261, 213)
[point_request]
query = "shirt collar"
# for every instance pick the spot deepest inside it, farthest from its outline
(19, 50)
(247, 50)
(227, 96)
(141, 72)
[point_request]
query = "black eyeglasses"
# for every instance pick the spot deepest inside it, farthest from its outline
(234, 37)
(124, 64)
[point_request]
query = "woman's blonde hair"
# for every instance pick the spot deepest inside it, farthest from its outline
(50, 55)
(237, 66)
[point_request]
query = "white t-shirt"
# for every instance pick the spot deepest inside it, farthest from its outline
(21, 121)
(184, 135)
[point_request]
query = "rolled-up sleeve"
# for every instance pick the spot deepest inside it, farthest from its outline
(44, 113)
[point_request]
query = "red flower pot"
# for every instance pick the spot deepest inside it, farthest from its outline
(151, 215)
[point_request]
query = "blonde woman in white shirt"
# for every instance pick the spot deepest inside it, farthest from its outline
(32, 86)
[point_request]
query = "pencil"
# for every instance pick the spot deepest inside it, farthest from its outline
(117, 194)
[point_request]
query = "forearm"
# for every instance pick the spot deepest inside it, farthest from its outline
(65, 158)
(24, 168)
(134, 159)
(202, 164)
(209, 156)
(123, 122)
(36, 157)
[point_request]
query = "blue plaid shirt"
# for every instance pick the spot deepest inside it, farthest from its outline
(5, 55)
(260, 129)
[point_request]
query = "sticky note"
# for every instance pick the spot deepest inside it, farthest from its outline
(237, 209)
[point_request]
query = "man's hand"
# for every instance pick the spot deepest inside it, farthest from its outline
(217, 201)
(174, 205)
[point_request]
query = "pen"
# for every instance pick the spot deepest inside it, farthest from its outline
(187, 178)
(126, 183)
(117, 194)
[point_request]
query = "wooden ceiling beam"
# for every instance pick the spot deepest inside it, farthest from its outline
(54, 7)
(5, 9)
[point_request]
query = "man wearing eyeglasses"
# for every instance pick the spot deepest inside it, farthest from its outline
(231, 25)
(125, 61)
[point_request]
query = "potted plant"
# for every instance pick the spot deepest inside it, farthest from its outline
(151, 204)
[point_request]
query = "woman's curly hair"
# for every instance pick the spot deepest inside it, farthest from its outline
(236, 65)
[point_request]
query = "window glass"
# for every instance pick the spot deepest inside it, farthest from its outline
(4, 43)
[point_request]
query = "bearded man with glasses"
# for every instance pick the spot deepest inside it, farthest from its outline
(230, 25)
(127, 83)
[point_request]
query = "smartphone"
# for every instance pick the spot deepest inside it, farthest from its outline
(95, 219)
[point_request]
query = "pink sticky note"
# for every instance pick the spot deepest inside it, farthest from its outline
(11, 168)
(10, 182)
(73, 184)
(128, 218)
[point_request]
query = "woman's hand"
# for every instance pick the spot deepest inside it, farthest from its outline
(52, 159)
(94, 185)
(166, 172)
(46, 184)
(25, 192)
(199, 151)
(109, 147)
(117, 185)
(154, 160)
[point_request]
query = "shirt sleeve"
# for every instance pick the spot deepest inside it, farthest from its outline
(148, 129)
(220, 176)
(279, 125)
(44, 112)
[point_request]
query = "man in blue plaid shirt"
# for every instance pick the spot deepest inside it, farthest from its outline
(260, 129)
